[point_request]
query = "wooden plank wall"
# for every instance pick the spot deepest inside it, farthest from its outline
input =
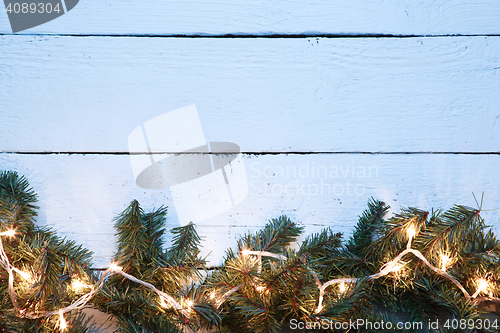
(331, 103)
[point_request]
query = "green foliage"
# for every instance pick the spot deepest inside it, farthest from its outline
(52, 262)
(262, 295)
(253, 293)
(174, 271)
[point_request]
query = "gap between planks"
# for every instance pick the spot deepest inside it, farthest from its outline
(255, 153)
(288, 36)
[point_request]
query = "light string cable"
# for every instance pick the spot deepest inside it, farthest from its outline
(83, 300)
(391, 266)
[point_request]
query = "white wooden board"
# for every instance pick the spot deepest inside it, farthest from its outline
(336, 95)
(312, 17)
(79, 195)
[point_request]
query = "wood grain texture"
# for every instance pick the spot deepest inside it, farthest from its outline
(79, 195)
(441, 17)
(267, 95)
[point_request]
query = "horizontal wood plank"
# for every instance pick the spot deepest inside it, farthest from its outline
(79, 195)
(266, 95)
(275, 17)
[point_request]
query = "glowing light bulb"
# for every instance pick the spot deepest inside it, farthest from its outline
(78, 285)
(245, 252)
(261, 289)
(27, 276)
(62, 321)
(444, 261)
(482, 285)
(190, 304)
(9, 233)
(411, 232)
(396, 268)
(212, 295)
(114, 267)
(342, 287)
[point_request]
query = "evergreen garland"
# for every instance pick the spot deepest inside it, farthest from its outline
(175, 270)
(51, 263)
(263, 285)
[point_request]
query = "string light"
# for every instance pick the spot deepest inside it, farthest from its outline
(392, 266)
(190, 304)
(62, 321)
(78, 285)
(482, 285)
(444, 261)
(9, 233)
(261, 289)
(113, 267)
(396, 268)
(27, 276)
(411, 231)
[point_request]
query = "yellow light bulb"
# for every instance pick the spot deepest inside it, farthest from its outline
(212, 295)
(342, 287)
(411, 232)
(27, 276)
(190, 305)
(9, 233)
(444, 261)
(396, 268)
(261, 289)
(482, 285)
(78, 285)
(62, 321)
(114, 267)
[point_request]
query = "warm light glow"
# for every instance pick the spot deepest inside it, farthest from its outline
(25, 275)
(411, 232)
(482, 285)
(342, 287)
(114, 267)
(9, 233)
(212, 295)
(245, 252)
(78, 285)
(190, 304)
(62, 321)
(396, 268)
(261, 289)
(444, 261)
